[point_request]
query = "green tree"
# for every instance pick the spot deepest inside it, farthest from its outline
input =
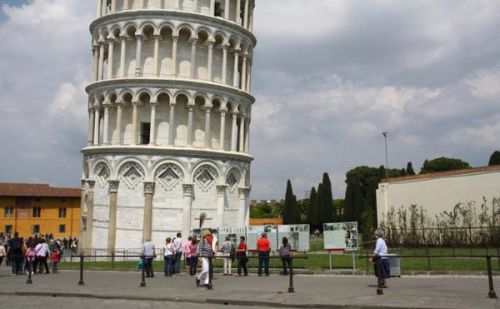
(310, 208)
(409, 169)
(325, 197)
(291, 211)
(494, 158)
(316, 219)
(443, 164)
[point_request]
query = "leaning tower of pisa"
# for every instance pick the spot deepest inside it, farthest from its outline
(169, 120)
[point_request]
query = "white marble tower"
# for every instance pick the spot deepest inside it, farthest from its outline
(169, 120)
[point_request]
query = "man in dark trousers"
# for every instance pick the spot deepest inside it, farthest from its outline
(264, 247)
(16, 254)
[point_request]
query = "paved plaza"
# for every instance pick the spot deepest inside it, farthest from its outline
(112, 289)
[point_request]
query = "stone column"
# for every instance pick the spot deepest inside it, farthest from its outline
(171, 125)
(123, 51)
(245, 16)
(98, 8)
(83, 215)
(90, 213)
(176, 4)
(225, 46)
(238, 12)
(95, 62)
(105, 134)
(101, 61)
(113, 5)
(138, 55)
(222, 135)
(193, 58)
(226, 9)
(174, 54)
(212, 8)
(244, 72)
(156, 71)
(119, 106)
(97, 119)
(249, 75)
(104, 9)
(195, 5)
(141, 4)
(113, 199)
(110, 57)
(190, 124)
(90, 137)
(234, 131)
(147, 225)
(236, 63)
(221, 193)
(134, 122)
(188, 190)
(152, 131)
(247, 136)
(242, 134)
(208, 142)
(243, 210)
(125, 5)
(210, 59)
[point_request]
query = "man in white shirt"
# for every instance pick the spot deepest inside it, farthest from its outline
(148, 251)
(177, 242)
(382, 266)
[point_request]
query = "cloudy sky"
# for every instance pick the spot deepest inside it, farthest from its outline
(329, 77)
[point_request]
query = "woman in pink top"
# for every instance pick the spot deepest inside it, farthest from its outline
(186, 250)
(30, 257)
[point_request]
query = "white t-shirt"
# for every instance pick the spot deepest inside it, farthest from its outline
(168, 249)
(380, 248)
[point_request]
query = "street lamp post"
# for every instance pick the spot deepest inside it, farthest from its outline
(386, 156)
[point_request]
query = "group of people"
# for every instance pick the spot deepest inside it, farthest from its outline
(33, 254)
(205, 250)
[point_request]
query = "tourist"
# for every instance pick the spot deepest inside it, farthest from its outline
(42, 253)
(263, 247)
(285, 254)
(205, 253)
(382, 267)
(16, 254)
(177, 242)
(54, 260)
(148, 251)
(226, 248)
(30, 258)
(194, 255)
(241, 256)
(169, 257)
(186, 249)
(212, 240)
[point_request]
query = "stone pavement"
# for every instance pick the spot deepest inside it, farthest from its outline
(114, 289)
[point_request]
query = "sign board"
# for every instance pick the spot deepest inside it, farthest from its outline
(341, 236)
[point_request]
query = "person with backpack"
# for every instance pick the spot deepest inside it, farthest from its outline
(285, 254)
(227, 248)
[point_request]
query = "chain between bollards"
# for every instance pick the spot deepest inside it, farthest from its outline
(491, 293)
(291, 289)
(81, 269)
(143, 279)
(29, 281)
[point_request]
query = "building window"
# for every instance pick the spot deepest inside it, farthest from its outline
(35, 229)
(62, 228)
(9, 212)
(218, 11)
(145, 129)
(8, 229)
(37, 199)
(62, 212)
(37, 211)
(63, 200)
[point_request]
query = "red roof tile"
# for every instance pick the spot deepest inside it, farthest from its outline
(37, 190)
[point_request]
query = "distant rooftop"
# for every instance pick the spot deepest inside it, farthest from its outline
(472, 170)
(36, 190)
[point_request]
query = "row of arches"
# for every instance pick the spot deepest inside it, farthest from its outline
(239, 12)
(168, 50)
(181, 119)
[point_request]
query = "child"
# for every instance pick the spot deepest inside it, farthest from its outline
(30, 258)
(54, 259)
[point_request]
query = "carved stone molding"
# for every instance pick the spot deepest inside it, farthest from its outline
(244, 192)
(149, 187)
(83, 182)
(113, 186)
(91, 184)
(188, 189)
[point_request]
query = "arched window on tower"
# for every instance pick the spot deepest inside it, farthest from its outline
(218, 10)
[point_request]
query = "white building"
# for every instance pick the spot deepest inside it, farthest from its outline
(169, 120)
(438, 192)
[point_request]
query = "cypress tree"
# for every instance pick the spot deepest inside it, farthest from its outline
(310, 209)
(326, 200)
(409, 169)
(353, 203)
(291, 211)
(494, 158)
(317, 210)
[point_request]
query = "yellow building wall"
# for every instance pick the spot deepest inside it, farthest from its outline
(23, 221)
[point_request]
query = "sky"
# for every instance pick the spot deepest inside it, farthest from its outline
(329, 76)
